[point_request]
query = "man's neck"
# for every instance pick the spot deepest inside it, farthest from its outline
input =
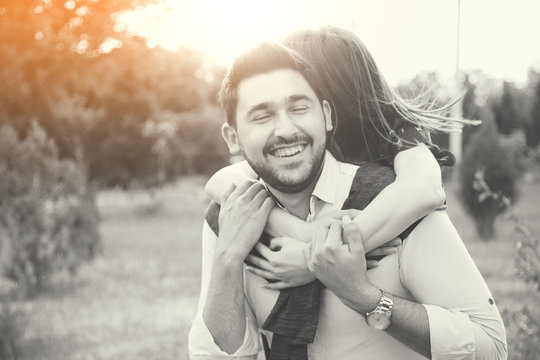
(297, 203)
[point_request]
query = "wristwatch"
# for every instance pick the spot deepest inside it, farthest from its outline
(379, 318)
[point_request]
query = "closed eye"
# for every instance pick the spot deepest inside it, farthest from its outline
(299, 109)
(262, 117)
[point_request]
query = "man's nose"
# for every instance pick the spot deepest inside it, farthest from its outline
(285, 126)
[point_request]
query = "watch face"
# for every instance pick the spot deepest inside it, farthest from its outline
(378, 320)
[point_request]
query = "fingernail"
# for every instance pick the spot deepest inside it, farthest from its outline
(249, 268)
(346, 219)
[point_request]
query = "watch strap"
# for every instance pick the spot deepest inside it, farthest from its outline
(385, 304)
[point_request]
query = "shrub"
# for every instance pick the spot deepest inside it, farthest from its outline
(48, 217)
(488, 175)
(10, 332)
(506, 116)
(186, 143)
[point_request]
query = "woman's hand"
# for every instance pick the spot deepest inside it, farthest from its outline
(283, 261)
(374, 256)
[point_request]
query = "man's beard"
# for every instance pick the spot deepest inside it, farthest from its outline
(271, 175)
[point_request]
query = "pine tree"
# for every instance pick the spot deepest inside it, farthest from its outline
(533, 126)
(505, 113)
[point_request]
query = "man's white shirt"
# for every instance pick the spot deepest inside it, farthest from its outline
(432, 267)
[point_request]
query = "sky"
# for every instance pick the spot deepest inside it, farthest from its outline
(405, 37)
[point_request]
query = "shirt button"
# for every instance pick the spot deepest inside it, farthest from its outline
(491, 301)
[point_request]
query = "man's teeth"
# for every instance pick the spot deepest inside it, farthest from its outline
(288, 151)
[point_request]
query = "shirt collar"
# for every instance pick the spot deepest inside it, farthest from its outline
(328, 183)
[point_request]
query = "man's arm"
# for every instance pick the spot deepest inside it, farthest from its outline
(438, 271)
(224, 312)
(462, 319)
(201, 343)
(241, 222)
(342, 268)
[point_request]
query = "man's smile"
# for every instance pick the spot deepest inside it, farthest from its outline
(288, 150)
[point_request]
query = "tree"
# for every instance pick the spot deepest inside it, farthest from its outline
(92, 88)
(505, 113)
(533, 125)
(488, 175)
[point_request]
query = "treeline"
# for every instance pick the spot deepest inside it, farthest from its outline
(131, 114)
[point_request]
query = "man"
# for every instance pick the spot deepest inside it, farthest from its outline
(415, 304)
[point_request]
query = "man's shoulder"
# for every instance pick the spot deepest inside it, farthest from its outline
(376, 172)
(368, 181)
(372, 176)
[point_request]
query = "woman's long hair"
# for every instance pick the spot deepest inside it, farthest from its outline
(367, 113)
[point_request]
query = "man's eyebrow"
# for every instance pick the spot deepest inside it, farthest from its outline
(299, 97)
(261, 106)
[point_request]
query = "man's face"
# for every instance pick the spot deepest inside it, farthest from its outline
(281, 129)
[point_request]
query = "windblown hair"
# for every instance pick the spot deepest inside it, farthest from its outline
(260, 59)
(365, 110)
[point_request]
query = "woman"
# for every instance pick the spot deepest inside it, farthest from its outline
(372, 123)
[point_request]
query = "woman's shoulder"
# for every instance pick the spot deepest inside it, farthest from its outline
(374, 174)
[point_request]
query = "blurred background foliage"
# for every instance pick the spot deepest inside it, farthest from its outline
(96, 90)
(86, 107)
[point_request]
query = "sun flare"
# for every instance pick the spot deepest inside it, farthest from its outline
(394, 32)
(220, 28)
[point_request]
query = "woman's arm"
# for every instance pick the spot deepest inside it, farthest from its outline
(222, 180)
(416, 192)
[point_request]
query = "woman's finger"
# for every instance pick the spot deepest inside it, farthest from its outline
(261, 263)
(382, 251)
(264, 250)
(372, 264)
(262, 273)
(394, 242)
(280, 285)
(278, 242)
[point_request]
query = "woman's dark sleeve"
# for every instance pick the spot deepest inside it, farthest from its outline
(410, 136)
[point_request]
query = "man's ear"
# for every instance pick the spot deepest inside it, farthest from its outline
(327, 111)
(229, 135)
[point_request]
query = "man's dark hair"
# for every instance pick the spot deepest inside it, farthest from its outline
(260, 59)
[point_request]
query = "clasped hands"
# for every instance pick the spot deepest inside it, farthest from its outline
(335, 255)
(288, 262)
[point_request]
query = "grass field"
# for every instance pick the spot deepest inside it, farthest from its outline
(136, 300)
